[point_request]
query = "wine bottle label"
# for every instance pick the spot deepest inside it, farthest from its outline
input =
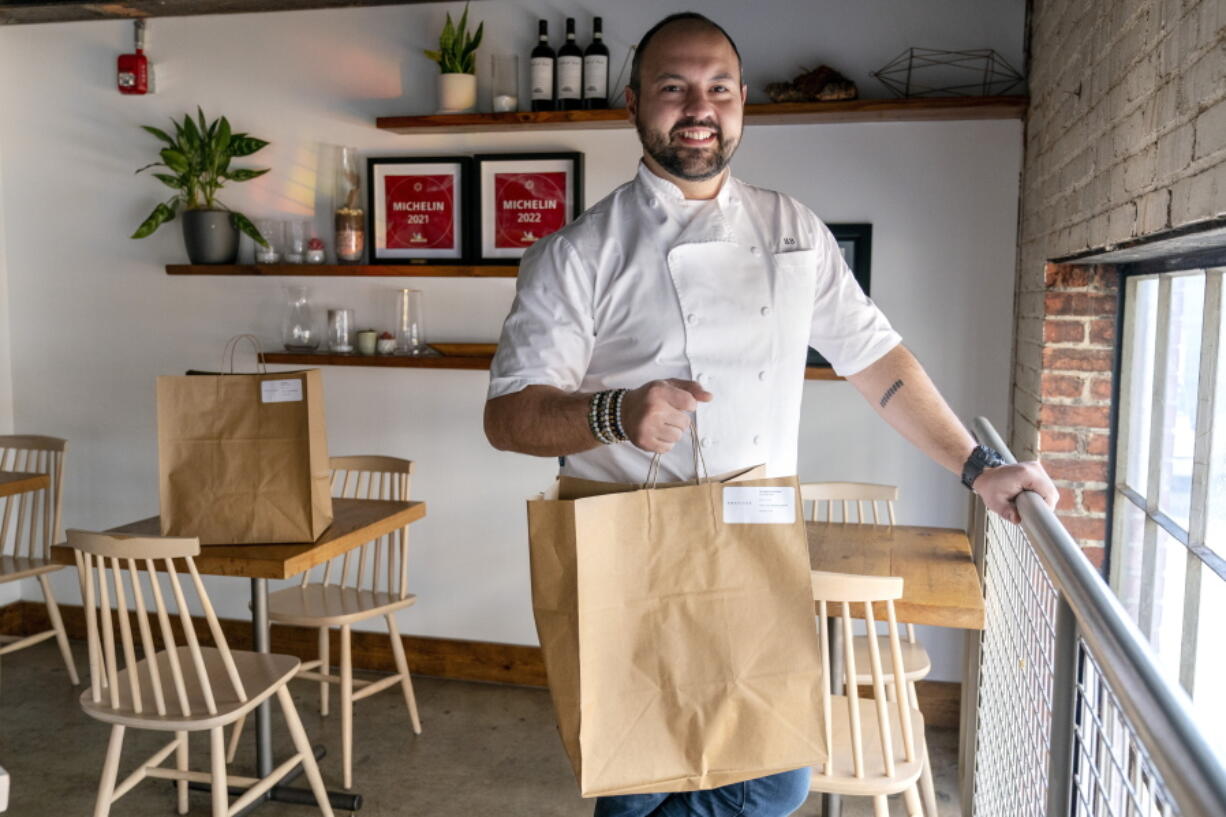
(595, 76)
(542, 78)
(570, 77)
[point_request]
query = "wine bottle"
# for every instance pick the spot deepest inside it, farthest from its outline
(596, 70)
(570, 71)
(543, 63)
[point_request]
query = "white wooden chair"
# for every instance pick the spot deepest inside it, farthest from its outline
(179, 689)
(875, 747)
(833, 501)
(29, 525)
(371, 582)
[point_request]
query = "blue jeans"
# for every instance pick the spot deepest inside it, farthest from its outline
(777, 795)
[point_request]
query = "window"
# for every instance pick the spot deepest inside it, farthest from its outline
(1168, 538)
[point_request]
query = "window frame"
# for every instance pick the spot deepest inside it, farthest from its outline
(1199, 556)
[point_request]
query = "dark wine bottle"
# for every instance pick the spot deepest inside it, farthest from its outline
(570, 71)
(543, 64)
(596, 70)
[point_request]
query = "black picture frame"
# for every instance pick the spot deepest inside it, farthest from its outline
(483, 249)
(377, 169)
(856, 243)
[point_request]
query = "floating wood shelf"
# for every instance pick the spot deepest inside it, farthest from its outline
(787, 113)
(62, 11)
(348, 270)
(479, 359)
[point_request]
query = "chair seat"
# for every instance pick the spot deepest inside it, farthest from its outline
(319, 605)
(842, 779)
(915, 661)
(261, 674)
(13, 568)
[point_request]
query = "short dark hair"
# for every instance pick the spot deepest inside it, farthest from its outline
(636, 64)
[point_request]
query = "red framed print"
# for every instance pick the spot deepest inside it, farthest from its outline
(418, 209)
(523, 197)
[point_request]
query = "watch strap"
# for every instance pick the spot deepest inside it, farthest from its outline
(981, 457)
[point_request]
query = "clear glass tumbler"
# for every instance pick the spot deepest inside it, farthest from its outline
(340, 330)
(410, 322)
(271, 230)
(504, 90)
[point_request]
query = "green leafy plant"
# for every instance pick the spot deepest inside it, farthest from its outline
(457, 47)
(198, 158)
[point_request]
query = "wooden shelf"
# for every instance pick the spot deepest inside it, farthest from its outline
(788, 113)
(62, 11)
(348, 270)
(453, 361)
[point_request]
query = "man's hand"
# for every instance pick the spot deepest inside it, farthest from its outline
(1000, 486)
(656, 415)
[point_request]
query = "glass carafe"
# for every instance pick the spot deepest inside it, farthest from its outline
(298, 331)
(350, 216)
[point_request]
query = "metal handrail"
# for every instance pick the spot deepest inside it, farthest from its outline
(1158, 711)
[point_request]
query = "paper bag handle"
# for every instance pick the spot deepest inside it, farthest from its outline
(232, 348)
(653, 470)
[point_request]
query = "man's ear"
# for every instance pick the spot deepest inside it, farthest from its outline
(744, 92)
(632, 105)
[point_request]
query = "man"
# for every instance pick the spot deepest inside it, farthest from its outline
(687, 296)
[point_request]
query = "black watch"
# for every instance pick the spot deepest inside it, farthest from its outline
(981, 457)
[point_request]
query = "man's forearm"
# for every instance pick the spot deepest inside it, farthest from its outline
(902, 393)
(540, 420)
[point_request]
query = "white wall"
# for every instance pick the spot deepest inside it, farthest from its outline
(94, 319)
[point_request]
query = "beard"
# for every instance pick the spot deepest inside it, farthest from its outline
(689, 163)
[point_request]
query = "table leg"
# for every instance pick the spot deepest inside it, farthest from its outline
(832, 804)
(263, 713)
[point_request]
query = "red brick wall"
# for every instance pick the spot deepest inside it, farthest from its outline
(1074, 417)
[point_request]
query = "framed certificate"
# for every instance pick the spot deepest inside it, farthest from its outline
(523, 197)
(418, 209)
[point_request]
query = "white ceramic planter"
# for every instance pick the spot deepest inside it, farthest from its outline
(457, 93)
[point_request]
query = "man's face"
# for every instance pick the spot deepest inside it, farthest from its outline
(690, 103)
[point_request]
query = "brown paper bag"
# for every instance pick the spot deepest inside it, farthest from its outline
(681, 649)
(243, 458)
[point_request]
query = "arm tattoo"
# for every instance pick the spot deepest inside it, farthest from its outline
(890, 392)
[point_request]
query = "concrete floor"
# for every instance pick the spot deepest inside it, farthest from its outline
(485, 750)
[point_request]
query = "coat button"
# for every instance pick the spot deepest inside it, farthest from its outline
(762, 376)
(755, 250)
(766, 310)
(706, 442)
(654, 202)
(691, 319)
(757, 440)
(702, 378)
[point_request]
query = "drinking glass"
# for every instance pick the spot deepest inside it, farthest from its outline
(271, 230)
(410, 322)
(340, 330)
(504, 90)
(296, 245)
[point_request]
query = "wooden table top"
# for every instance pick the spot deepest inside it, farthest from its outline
(354, 522)
(16, 482)
(940, 583)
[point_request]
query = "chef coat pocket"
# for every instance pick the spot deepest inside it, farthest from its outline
(795, 288)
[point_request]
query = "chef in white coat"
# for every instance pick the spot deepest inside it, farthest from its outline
(689, 297)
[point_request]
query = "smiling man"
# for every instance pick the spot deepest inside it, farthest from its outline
(687, 297)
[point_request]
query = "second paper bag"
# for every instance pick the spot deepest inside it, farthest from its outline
(681, 648)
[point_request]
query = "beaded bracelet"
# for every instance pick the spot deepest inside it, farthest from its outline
(618, 429)
(594, 411)
(604, 416)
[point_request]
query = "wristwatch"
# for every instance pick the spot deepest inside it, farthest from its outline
(981, 457)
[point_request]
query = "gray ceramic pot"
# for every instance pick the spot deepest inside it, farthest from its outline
(210, 237)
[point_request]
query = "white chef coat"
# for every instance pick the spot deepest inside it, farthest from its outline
(729, 292)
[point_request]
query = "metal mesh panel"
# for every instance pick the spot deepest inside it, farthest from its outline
(1112, 775)
(1017, 653)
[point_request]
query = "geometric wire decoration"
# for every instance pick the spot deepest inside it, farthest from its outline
(919, 72)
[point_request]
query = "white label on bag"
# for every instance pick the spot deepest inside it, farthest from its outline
(281, 391)
(759, 506)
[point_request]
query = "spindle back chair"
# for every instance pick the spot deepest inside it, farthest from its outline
(168, 680)
(367, 582)
(29, 526)
(875, 747)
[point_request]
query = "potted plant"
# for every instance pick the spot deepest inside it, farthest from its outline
(198, 158)
(456, 58)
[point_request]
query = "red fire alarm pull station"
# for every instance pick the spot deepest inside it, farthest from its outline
(133, 69)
